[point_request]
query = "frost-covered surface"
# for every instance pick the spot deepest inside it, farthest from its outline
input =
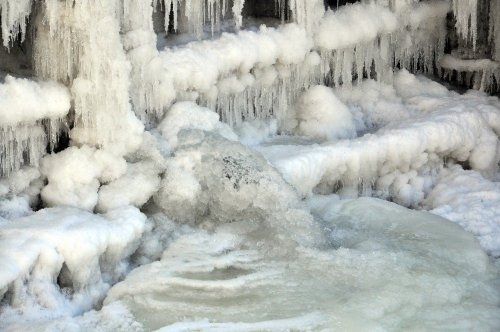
(82, 251)
(399, 160)
(30, 116)
(472, 201)
(213, 185)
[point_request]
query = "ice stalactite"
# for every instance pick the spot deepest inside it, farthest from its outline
(266, 93)
(420, 43)
(478, 74)
(466, 14)
(151, 90)
(191, 15)
(70, 47)
(14, 20)
(31, 115)
(495, 28)
(307, 13)
(360, 47)
(245, 76)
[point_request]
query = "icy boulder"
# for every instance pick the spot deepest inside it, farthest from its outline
(322, 115)
(64, 259)
(212, 180)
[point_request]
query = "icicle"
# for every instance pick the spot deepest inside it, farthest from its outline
(307, 13)
(495, 28)
(466, 14)
(237, 9)
(70, 47)
(151, 91)
(479, 74)
(21, 145)
(419, 44)
(14, 17)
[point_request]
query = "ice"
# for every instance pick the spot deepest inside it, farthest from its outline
(470, 200)
(213, 184)
(25, 101)
(495, 28)
(420, 44)
(479, 74)
(247, 76)
(321, 115)
(150, 87)
(30, 116)
(135, 187)
(15, 15)
(39, 250)
(191, 15)
(399, 161)
(466, 14)
(386, 268)
(75, 175)
(70, 48)
(355, 46)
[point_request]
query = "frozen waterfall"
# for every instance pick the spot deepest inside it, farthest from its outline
(249, 165)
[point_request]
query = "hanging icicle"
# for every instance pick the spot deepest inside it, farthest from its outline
(14, 18)
(466, 15)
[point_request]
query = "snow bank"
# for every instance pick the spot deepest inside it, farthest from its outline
(63, 260)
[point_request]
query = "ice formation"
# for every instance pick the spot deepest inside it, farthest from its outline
(169, 164)
(466, 14)
(31, 115)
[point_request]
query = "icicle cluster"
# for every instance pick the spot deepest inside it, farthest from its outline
(419, 44)
(306, 13)
(495, 28)
(480, 74)
(192, 15)
(70, 48)
(466, 15)
(31, 115)
(360, 45)
(14, 19)
(151, 89)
